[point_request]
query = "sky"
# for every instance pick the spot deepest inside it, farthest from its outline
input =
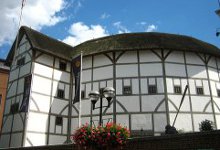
(75, 21)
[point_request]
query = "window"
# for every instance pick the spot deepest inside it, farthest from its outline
(82, 94)
(152, 89)
(127, 90)
(177, 89)
(14, 108)
(199, 90)
(60, 93)
(218, 92)
(62, 66)
(21, 61)
(59, 121)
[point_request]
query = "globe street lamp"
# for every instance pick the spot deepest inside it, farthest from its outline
(108, 93)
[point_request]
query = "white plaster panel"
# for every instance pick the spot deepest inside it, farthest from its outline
(150, 102)
(123, 120)
(218, 121)
(183, 121)
(176, 82)
(61, 76)
(151, 69)
(52, 124)
(128, 57)
(43, 70)
(160, 121)
(45, 59)
(58, 105)
(217, 105)
(23, 39)
(184, 83)
(61, 86)
(16, 140)
(192, 86)
(127, 82)
(110, 83)
(175, 56)
(57, 139)
(102, 84)
(126, 70)
(36, 139)
(198, 118)
(148, 56)
(4, 142)
(40, 102)
(131, 103)
(103, 73)
(13, 74)
(22, 48)
(87, 62)
(24, 70)
(58, 129)
(55, 87)
(33, 122)
(175, 70)
(206, 87)
(95, 86)
(67, 88)
(86, 106)
(41, 85)
(192, 58)
(88, 90)
(7, 125)
(65, 122)
(12, 90)
(151, 81)
(86, 120)
(169, 85)
(135, 86)
(176, 99)
(141, 121)
(213, 74)
(144, 87)
(7, 106)
(68, 66)
(17, 122)
(212, 62)
(160, 85)
(118, 87)
(100, 60)
(21, 86)
(86, 75)
(28, 56)
(74, 124)
(199, 103)
(196, 71)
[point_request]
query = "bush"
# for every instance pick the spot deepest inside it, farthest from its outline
(206, 125)
(111, 135)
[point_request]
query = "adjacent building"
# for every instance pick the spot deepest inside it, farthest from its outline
(148, 70)
(4, 72)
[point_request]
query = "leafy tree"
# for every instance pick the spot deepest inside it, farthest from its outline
(206, 125)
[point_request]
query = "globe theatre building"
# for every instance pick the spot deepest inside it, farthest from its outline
(149, 72)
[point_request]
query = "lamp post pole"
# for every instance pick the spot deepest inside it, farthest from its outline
(107, 93)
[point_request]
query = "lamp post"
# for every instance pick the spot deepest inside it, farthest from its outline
(108, 93)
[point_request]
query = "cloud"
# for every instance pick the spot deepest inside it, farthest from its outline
(142, 23)
(105, 16)
(151, 28)
(120, 27)
(79, 32)
(36, 14)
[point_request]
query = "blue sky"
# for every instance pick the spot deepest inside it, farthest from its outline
(75, 21)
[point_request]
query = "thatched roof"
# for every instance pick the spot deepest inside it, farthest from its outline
(127, 41)
(146, 41)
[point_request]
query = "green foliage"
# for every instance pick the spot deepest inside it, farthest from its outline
(206, 125)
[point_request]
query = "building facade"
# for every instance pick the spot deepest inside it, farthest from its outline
(4, 72)
(149, 72)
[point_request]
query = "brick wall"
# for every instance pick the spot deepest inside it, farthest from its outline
(195, 141)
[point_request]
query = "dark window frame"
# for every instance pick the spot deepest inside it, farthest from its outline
(199, 91)
(21, 61)
(177, 89)
(0, 99)
(83, 94)
(127, 90)
(61, 93)
(59, 121)
(218, 92)
(14, 108)
(152, 89)
(62, 65)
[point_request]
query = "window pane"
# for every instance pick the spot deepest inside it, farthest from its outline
(152, 89)
(59, 121)
(177, 89)
(127, 90)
